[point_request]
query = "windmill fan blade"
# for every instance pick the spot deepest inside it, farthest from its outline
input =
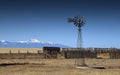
(70, 20)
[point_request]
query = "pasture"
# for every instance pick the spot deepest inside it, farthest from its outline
(20, 50)
(58, 67)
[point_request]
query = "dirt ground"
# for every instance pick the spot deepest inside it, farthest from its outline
(57, 67)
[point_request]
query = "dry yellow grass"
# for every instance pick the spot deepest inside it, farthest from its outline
(55, 66)
(21, 50)
(59, 67)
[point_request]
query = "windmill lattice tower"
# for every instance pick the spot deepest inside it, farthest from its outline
(79, 22)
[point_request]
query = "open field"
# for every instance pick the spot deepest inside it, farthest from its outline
(58, 67)
(61, 66)
(21, 50)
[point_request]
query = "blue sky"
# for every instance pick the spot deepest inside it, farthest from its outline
(47, 20)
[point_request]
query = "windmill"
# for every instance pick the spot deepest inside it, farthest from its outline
(79, 22)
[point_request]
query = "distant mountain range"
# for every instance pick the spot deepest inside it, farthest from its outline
(33, 43)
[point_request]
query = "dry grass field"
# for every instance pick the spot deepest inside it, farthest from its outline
(54, 66)
(58, 67)
(21, 50)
